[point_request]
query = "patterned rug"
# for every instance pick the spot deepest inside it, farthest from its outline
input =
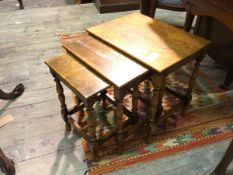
(209, 119)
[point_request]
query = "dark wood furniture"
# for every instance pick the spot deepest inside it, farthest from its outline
(148, 7)
(86, 1)
(17, 91)
(161, 48)
(225, 161)
(6, 164)
(21, 4)
(215, 22)
(106, 6)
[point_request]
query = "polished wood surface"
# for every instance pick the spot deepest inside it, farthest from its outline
(76, 75)
(106, 61)
(151, 42)
(222, 10)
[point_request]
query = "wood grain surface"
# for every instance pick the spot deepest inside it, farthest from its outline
(108, 62)
(151, 42)
(76, 75)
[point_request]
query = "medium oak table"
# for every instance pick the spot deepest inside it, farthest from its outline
(112, 66)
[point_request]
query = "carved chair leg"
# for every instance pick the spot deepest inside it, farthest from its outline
(61, 97)
(225, 161)
(17, 91)
(6, 164)
(228, 79)
(188, 21)
(21, 4)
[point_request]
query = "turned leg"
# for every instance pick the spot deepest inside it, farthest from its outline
(135, 97)
(6, 164)
(17, 91)
(91, 125)
(119, 123)
(225, 161)
(161, 94)
(188, 96)
(104, 100)
(151, 121)
(160, 102)
(61, 97)
(21, 4)
(80, 112)
(146, 90)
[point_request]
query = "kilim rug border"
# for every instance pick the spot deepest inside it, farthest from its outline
(204, 135)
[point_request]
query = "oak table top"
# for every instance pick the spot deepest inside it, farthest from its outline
(76, 75)
(112, 65)
(153, 43)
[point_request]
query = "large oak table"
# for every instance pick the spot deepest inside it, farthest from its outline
(153, 44)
